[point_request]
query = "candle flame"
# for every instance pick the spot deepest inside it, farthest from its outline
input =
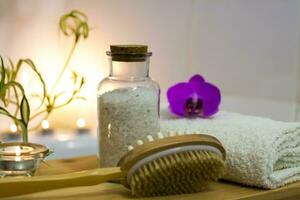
(13, 128)
(18, 151)
(45, 124)
(80, 123)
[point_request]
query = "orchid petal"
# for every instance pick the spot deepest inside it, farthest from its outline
(209, 110)
(209, 93)
(177, 96)
(195, 81)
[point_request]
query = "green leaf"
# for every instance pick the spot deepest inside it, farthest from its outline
(12, 84)
(81, 82)
(78, 14)
(30, 63)
(63, 25)
(25, 110)
(74, 23)
(8, 74)
(19, 123)
(2, 82)
(18, 67)
(49, 152)
(74, 76)
(3, 111)
(6, 88)
(2, 74)
(24, 129)
(83, 29)
(11, 70)
(11, 64)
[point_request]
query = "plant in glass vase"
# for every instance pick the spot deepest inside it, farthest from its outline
(15, 101)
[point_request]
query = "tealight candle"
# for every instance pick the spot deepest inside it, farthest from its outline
(17, 150)
(81, 126)
(20, 159)
(13, 133)
(13, 128)
(18, 153)
(46, 130)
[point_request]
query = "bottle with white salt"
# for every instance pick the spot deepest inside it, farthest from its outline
(128, 103)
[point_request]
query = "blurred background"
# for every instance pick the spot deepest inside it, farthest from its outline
(250, 49)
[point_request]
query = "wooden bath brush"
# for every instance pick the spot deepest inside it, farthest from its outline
(171, 165)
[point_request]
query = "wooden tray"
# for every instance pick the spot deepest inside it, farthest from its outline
(110, 191)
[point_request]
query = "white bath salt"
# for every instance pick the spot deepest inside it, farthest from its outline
(125, 116)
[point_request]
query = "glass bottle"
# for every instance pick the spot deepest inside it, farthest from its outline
(128, 103)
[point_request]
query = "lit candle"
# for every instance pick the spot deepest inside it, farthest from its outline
(13, 133)
(81, 123)
(81, 126)
(46, 130)
(16, 149)
(19, 158)
(45, 124)
(18, 153)
(13, 128)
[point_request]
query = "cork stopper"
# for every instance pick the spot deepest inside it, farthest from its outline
(129, 53)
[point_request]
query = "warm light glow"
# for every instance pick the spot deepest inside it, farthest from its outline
(18, 158)
(13, 128)
(45, 124)
(63, 137)
(18, 153)
(25, 79)
(49, 54)
(80, 123)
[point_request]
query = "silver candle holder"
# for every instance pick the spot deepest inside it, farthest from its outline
(21, 159)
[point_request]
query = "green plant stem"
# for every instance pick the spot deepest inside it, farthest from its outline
(65, 66)
(37, 114)
(18, 101)
(24, 134)
(24, 130)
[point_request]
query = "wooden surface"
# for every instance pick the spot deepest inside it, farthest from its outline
(111, 191)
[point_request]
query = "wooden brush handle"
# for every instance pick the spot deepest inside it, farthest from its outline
(20, 186)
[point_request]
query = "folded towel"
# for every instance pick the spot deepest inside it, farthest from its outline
(260, 152)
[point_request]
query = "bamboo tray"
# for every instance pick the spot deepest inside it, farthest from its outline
(111, 191)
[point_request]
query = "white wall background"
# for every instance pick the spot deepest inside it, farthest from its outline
(248, 48)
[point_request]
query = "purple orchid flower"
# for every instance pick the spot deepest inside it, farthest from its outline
(196, 98)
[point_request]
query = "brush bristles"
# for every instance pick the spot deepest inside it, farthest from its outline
(180, 173)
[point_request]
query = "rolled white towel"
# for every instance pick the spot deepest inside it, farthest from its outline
(260, 152)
